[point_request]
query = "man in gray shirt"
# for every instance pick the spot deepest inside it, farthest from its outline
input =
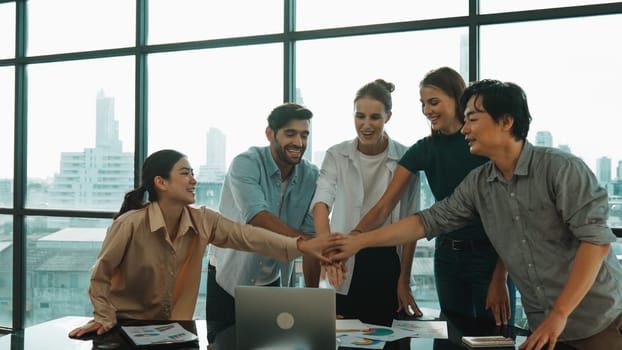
(544, 213)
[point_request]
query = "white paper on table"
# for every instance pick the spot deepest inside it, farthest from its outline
(423, 329)
(350, 325)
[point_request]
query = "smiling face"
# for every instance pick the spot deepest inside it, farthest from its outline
(440, 109)
(289, 143)
(484, 135)
(369, 119)
(180, 185)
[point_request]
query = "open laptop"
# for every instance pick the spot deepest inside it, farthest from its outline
(285, 318)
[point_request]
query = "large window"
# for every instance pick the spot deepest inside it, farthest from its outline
(6, 270)
(171, 21)
(95, 87)
(76, 25)
(80, 154)
(60, 254)
(6, 136)
(7, 30)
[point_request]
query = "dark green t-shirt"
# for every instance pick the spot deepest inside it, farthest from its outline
(446, 160)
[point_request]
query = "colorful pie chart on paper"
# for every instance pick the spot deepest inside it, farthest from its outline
(365, 341)
(378, 331)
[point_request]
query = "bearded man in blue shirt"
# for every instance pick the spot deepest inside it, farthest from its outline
(270, 187)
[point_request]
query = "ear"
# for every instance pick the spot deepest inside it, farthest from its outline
(507, 122)
(160, 183)
(388, 117)
(269, 134)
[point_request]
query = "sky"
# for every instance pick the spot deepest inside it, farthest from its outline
(572, 86)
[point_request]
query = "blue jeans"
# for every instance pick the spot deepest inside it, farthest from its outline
(462, 272)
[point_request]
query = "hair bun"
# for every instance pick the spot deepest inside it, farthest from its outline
(387, 85)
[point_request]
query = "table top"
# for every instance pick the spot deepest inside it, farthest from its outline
(53, 335)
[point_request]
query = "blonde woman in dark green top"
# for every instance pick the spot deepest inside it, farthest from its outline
(470, 279)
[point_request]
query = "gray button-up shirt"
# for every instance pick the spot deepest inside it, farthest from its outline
(252, 185)
(535, 222)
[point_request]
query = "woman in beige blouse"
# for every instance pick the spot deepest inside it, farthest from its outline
(149, 265)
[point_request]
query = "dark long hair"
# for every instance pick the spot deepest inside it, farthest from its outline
(160, 164)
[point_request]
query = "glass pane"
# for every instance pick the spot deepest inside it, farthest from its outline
(7, 30)
(316, 14)
(171, 21)
(7, 93)
(212, 105)
(570, 86)
(6, 271)
(60, 254)
(492, 6)
(87, 162)
(346, 64)
(78, 25)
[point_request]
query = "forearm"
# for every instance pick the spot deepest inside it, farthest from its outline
(500, 273)
(269, 221)
(408, 253)
(320, 218)
(311, 271)
(587, 263)
(407, 230)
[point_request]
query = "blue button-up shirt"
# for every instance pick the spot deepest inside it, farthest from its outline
(253, 185)
(536, 222)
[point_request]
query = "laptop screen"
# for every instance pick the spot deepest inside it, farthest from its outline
(284, 318)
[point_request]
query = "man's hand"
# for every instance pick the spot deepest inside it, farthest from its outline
(317, 245)
(91, 326)
(406, 300)
(345, 246)
(334, 272)
(547, 332)
(498, 301)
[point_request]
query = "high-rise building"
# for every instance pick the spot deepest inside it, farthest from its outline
(544, 139)
(107, 128)
(212, 174)
(619, 171)
(603, 170)
(214, 168)
(564, 148)
(96, 178)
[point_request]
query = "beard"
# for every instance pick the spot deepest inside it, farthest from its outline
(282, 153)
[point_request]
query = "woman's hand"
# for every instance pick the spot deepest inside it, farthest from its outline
(335, 272)
(406, 300)
(318, 245)
(91, 326)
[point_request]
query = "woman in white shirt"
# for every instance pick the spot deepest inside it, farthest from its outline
(354, 175)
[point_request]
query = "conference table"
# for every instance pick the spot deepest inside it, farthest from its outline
(53, 335)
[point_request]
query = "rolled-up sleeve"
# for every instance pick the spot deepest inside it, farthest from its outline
(583, 203)
(249, 197)
(109, 258)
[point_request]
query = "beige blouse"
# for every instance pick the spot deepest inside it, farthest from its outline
(141, 274)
